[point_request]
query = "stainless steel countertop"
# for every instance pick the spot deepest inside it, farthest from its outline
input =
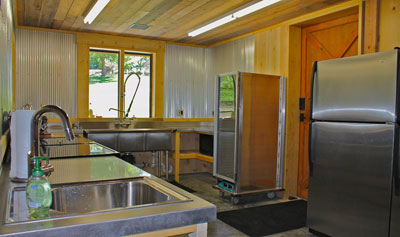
(101, 130)
(58, 141)
(111, 223)
(209, 131)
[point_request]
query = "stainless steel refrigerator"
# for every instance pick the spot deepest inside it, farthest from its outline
(354, 146)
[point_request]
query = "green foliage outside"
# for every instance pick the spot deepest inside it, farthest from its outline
(99, 60)
(103, 67)
(106, 64)
(140, 65)
(93, 79)
(227, 91)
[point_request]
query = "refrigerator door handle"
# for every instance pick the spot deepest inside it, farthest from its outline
(310, 161)
(314, 73)
(396, 157)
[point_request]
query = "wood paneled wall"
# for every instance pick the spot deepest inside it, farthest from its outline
(389, 30)
(267, 56)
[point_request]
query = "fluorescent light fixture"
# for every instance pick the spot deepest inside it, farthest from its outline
(255, 7)
(240, 13)
(96, 9)
(212, 25)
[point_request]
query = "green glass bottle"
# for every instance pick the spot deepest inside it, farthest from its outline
(38, 192)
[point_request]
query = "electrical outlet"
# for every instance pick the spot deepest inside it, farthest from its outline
(180, 112)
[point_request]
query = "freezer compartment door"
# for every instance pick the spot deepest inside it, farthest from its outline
(350, 186)
(360, 88)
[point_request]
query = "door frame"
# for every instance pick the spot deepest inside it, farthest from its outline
(293, 69)
(307, 35)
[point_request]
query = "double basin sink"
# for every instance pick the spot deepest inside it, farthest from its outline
(96, 196)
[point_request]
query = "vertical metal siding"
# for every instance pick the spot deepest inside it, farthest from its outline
(190, 74)
(46, 69)
(184, 84)
(237, 55)
(234, 56)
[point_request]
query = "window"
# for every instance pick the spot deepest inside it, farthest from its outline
(227, 97)
(106, 87)
(103, 83)
(137, 84)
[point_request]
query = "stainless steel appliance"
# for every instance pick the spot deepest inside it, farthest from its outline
(354, 146)
(249, 133)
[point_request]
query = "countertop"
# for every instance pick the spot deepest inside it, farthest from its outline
(79, 147)
(209, 131)
(109, 130)
(125, 221)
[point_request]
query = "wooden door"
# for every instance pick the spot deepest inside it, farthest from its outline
(328, 40)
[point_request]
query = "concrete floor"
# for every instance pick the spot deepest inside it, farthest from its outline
(202, 183)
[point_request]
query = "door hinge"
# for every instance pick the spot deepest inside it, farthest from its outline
(302, 103)
(302, 117)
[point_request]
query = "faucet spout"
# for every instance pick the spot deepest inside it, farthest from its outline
(69, 134)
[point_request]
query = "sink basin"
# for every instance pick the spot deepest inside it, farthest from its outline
(95, 196)
(83, 198)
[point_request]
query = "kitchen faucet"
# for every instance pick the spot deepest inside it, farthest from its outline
(69, 134)
(134, 95)
(116, 110)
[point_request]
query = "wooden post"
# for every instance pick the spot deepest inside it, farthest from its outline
(177, 154)
(371, 23)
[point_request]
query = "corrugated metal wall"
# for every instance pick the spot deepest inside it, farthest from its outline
(184, 85)
(190, 73)
(237, 55)
(46, 69)
(6, 31)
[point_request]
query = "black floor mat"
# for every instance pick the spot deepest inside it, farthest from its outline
(267, 219)
(182, 187)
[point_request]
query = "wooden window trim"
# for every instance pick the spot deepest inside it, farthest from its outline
(129, 44)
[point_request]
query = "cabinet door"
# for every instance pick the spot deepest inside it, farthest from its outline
(225, 127)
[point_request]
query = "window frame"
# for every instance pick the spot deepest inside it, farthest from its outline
(150, 55)
(121, 76)
(108, 51)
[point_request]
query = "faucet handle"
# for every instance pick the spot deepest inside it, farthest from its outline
(47, 168)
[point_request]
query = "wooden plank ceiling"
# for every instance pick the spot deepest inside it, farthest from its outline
(169, 20)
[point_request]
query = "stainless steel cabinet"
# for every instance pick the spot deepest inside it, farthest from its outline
(249, 132)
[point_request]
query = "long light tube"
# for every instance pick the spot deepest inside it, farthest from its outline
(95, 11)
(243, 12)
(255, 7)
(212, 25)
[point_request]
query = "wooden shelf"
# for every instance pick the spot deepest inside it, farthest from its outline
(195, 155)
(180, 155)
